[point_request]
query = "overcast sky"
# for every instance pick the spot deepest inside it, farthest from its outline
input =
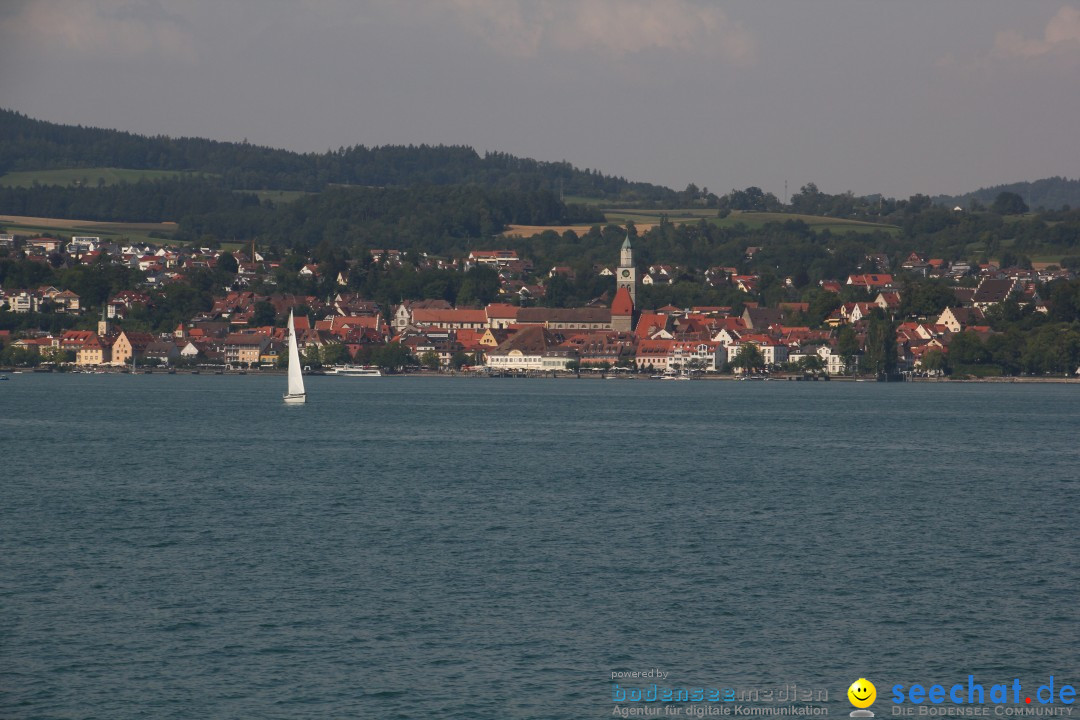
(898, 97)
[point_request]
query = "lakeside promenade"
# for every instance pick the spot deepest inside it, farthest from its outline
(584, 375)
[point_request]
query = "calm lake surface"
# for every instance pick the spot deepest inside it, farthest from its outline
(190, 547)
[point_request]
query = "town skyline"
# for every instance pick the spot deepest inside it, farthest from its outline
(931, 318)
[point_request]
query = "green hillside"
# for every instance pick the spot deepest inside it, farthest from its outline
(85, 177)
(1052, 193)
(27, 144)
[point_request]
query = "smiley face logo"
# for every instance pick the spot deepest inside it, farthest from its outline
(862, 693)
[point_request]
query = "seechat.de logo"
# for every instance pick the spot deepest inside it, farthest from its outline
(862, 695)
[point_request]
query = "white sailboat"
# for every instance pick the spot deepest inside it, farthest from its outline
(296, 392)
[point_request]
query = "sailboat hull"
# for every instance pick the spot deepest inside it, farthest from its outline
(295, 399)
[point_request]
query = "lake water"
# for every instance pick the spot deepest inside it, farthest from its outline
(190, 547)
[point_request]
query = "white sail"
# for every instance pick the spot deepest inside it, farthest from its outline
(296, 378)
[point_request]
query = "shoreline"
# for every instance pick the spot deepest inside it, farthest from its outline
(1057, 380)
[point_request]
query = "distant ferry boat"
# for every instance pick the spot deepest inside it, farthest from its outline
(354, 371)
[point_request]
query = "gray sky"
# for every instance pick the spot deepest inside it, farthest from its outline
(940, 96)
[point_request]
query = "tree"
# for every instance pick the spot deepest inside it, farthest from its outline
(880, 349)
(1009, 203)
(924, 298)
(56, 356)
(430, 360)
(808, 200)
(19, 357)
(391, 357)
(822, 303)
(559, 292)
(1064, 299)
(752, 198)
(966, 348)
(227, 263)
(480, 286)
(263, 314)
(1052, 349)
(310, 356)
(1006, 350)
(812, 364)
(1010, 259)
(935, 362)
(748, 358)
(334, 354)
(458, 360)
(918, 203)
(847, 347)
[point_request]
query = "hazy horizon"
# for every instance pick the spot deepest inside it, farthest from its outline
(885, 98)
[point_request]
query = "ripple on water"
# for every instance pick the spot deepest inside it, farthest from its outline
(495, 549)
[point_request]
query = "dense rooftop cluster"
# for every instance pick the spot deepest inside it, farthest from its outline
(880, 320)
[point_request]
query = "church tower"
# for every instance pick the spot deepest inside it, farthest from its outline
(626, 275)
(104, 326)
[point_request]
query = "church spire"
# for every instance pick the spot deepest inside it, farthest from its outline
(626, 274)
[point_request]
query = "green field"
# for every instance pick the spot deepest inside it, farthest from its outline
(749, 219)
(112, 231)
(278, 196)
(581, 200)
(88, 177)
(1043, 254)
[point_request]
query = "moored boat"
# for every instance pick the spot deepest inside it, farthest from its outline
(354, 371)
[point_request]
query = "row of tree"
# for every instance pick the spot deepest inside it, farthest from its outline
(430, 218)
(29, 144)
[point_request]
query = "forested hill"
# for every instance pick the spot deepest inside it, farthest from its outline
(1053, 193)
(27, 144)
